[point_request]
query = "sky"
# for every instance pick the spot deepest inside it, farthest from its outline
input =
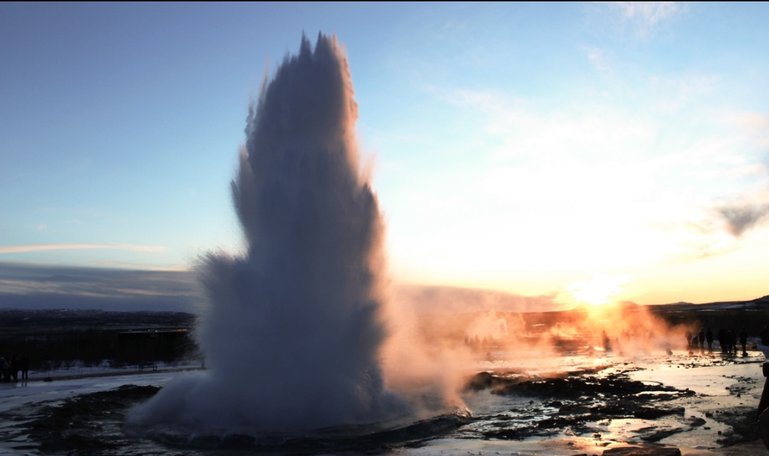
(587, 151)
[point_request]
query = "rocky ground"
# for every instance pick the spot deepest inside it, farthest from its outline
(680, 404)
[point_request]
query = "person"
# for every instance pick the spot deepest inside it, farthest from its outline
(764, 335)
(5, 369)
(24, 365)
(606, 342)
(763, 343)
(722, 340)
(709, 339)
(731, 342)
(15, 367)
(744, 341)
(701, 339)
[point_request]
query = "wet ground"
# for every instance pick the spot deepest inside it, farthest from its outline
(702, 404)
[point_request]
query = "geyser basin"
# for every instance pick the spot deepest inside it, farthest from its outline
(292, 332)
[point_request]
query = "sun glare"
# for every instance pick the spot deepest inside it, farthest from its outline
(596, 291)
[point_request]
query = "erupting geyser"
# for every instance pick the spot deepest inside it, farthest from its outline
(293, 331)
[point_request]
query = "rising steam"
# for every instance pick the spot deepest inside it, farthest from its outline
(293, 332)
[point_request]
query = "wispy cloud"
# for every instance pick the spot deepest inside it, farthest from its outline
(30, 248)
(614, 173)
(755, 124)
(646, 17)
(748, 210)
(598, 58)
(681, 91)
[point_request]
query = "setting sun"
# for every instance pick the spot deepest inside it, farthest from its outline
(597, 291)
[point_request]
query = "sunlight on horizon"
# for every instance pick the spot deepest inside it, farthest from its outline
(598, 290)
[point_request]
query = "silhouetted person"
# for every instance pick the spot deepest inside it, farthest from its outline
(744, 341)
(5, 369)
(722, 340)
(701, 339)
(15, 367)
(24, 365)
(709, 339)
(731, 342)
(764, 335)
(764, 402)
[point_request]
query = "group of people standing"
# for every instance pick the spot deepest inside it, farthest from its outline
(10, 368)
(727, 340)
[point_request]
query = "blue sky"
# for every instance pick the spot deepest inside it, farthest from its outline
(588, 150)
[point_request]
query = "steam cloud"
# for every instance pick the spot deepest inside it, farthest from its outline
(293, 332)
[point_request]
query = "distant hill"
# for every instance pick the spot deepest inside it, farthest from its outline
(24, 286)
(761, 303)
(28, 287)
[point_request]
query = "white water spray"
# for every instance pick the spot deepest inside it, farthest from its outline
(293, 330)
